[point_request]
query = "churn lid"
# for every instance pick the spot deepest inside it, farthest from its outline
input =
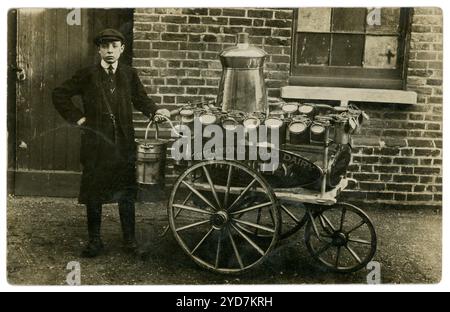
(243, 54)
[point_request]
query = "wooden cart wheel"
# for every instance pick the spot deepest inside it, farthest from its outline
(341, 237)
(217, 210)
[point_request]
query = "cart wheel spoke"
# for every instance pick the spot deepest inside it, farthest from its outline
(166, 229)
(252, 243)
(187, 198)
(313, 223)
(293, 222)
(254, 225)
(213, 189)
(227, 191)
(354, 254)
(199, 195)
(338, 255)
(316, 230)
(271, 217)
(202, 241)
(242, 195)
(184, 203)
(190, 226)
(193, 209)
(344, 211)
(219, 246)
(236, 251)
(357, 227)
(259, 206)
(327, 221)
(323, 249)
(258, 219)
(290, 214)
(359, 241)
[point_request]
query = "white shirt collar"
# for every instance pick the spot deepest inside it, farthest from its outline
(107, 65)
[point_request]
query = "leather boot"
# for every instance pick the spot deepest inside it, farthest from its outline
(94, 220)
(127, 220)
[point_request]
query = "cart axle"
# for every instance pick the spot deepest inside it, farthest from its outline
(219, 220)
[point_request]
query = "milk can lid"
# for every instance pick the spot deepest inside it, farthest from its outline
(243, 49)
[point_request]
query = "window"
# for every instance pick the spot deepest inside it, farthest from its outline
(350, 47)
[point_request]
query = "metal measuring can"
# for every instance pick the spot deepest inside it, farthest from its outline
(299, 131)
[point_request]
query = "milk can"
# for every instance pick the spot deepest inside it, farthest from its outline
(151, 159)
(290, 109)
(319, 128)
(277, 126)
(299, 131)
(242, 86)
(308, 110)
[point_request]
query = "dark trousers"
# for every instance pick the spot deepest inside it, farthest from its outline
(127, 220)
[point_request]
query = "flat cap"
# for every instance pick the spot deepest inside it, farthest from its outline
(109, 34)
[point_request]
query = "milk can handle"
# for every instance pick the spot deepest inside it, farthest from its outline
(157, 127)
(148, 128)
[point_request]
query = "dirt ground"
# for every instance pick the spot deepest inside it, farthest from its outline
(44, 234)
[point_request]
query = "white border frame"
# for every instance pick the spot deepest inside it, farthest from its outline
(4, 286)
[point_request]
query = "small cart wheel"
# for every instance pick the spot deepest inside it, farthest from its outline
(217, 210)
(341, 237)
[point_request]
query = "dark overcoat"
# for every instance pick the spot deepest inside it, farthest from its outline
(108, 160)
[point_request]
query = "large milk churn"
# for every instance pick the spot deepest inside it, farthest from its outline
(242, 85)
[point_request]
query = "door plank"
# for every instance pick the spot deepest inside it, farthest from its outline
(49, 82)
(61, 134)
(23, 89)
(36, 75)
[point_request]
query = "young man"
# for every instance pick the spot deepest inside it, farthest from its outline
(108, 150)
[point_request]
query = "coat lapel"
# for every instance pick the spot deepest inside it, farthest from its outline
(123, 97)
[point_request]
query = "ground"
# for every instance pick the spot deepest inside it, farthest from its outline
(45, 234)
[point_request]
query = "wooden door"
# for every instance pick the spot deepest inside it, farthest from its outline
(50, 49)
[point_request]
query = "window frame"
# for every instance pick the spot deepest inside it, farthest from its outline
(354, 77)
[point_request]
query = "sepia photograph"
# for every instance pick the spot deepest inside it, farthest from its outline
(224, 146)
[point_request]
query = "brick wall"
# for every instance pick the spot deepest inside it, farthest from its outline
(176, 50)
(397, 158)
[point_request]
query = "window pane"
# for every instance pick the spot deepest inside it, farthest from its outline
(349, 20)
(347, 50)
(381, 52)
(383, 21)
(314, 20)
(313, 49)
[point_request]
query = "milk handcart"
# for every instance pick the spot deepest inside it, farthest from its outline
(228, 215)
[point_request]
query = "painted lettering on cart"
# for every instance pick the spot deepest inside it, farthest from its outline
(299, 162)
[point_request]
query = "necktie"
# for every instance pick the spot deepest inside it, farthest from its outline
(112, 88)
(111, 79)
